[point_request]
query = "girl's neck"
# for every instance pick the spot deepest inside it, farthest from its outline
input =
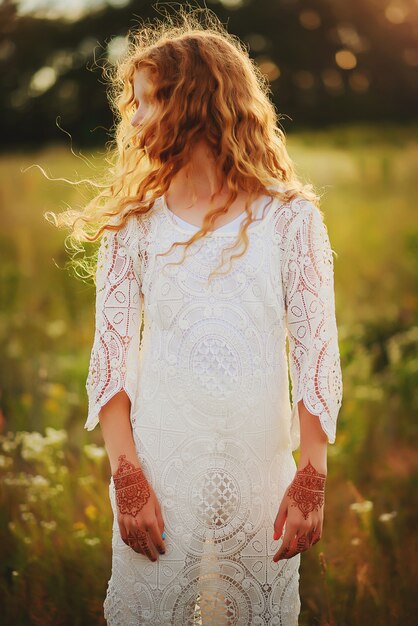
(195, 183)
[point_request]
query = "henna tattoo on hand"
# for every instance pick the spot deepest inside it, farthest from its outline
(131, 487)
(307, 489)
(284, 553)
(302, 543)
(140, 539)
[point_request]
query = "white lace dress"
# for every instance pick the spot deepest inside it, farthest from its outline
(212, 419)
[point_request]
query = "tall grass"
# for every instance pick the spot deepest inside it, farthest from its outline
(56, 517)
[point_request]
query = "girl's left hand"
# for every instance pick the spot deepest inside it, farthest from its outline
(302, 508)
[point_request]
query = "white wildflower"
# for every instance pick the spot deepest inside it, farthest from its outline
(21, 480)
(362, 507)
(93, 541)
(52, 491)
(33, 445)
(55, 437)
(56, 328)
(39, 481)
(49, 525)
(387, 517)
(86, 481)
(9, 446)
(93, 452)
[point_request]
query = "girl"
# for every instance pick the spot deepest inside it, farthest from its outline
(210, 237)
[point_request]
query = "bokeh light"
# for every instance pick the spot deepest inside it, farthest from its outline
(42, 80)
(304, 79)
(359, 82)
(269, 68)
(346, 59)
(396, 13)
(310, 19)
(333, 81)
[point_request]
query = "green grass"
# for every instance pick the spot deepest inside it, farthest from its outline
(56, 530)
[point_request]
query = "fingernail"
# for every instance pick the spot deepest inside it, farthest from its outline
(275, 536)
(163, 535)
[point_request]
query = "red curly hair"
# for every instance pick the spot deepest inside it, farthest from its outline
(204, 86)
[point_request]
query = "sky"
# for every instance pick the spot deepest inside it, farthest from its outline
(75, 9)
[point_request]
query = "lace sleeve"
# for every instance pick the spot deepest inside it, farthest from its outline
(114, 356)
(314, 357)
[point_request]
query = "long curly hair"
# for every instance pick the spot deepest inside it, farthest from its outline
(204, 86)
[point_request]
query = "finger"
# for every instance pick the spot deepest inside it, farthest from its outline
(160, 520)
(316, 534)
(310, 536)
(280, 519)
(123, 533)
(285, 549)
(302, 543)
(146, 544)
(285, 553)
(291, 553)
(133, 543)
(294, 547)
(316, 538)
(155, 536)
(141, 546)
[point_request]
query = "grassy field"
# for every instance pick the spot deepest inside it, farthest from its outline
(54, 508)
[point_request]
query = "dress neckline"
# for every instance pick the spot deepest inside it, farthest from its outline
(194, 227)
(257, 223)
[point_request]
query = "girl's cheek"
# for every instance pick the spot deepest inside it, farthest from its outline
(139, 119)
(136, 119)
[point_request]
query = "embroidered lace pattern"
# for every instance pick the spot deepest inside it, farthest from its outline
(308, 276)
(212, 419)
(114, 356)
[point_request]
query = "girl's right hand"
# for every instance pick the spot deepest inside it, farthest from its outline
(139, 512)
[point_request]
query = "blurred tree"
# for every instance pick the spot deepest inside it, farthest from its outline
(328, 61)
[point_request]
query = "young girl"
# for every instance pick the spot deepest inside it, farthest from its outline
(210, 237)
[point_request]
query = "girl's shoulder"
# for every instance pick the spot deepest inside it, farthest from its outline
(138, 226)
(289, 215)
(127, 235)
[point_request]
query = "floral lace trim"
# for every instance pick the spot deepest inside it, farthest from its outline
(308, 278)
(114, 355)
